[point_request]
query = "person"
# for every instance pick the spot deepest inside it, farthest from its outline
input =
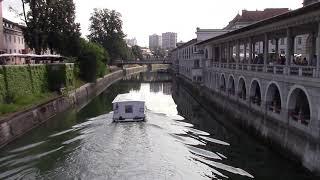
(304, 62)
(283, 60)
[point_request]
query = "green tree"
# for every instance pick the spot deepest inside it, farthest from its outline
(158, 53)
(106, 29)
(51, 24)
(92, 60)
(137, 52)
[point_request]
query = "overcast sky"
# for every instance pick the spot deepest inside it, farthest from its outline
(142, 18)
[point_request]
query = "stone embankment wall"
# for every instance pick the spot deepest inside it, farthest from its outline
(291, 143)
(16, 125)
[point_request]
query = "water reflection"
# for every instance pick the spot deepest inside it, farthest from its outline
(179, 140)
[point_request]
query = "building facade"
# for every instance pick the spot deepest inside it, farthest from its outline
(1, 30)
(204, 34)
(14, 41)
(257, 72)
(169, 40)
(155, 41)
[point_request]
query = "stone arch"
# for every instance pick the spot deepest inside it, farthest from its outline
(242, 90)
(231, 85)
(299, 105)
(222, 84)
(273, 97)
(255, 92)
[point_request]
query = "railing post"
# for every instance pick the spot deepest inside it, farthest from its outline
(300, 71)
(289, 50)
(266, 51)
(318, 51)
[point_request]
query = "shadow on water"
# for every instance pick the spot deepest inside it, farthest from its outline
(179, 140)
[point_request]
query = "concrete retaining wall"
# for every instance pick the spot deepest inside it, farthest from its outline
(293, 144)
(16, 125)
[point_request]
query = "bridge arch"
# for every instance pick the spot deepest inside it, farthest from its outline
(231, 85)
(273, 97)
(299, 105)
(222, 83)
(255, 92)
(242, 88)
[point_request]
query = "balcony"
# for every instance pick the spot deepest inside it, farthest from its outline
(292, 70)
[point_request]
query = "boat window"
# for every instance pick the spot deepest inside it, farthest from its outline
(128, 109)
(142, 110)
(117, 106)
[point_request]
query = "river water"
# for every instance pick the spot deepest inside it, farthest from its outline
(179, 140)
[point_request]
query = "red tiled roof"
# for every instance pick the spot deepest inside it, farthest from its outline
(282, 17)
(254, 16)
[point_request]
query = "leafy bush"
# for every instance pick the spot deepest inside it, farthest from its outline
(92, 61)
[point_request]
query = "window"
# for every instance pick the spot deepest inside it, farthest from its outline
(116, 110)
(206, 54)
(282, 41)
(299, 40)
(273, 42)
(141, 110)
(14, 39)
(128, 109)
(196, 64)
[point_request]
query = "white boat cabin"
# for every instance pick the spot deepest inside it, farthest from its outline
(126, 108)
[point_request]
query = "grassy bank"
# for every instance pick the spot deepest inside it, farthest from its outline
(24, 102)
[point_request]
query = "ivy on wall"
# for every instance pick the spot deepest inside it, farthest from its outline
(61, 76)
(18, 81)
(34, 79)
(2, 86)
(39, 79)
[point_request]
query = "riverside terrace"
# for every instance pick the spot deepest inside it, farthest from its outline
(280, 84)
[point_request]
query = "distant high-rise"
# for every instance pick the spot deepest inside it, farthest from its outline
(155, 41)
(169, 40)
(307, 2)
(131, 42)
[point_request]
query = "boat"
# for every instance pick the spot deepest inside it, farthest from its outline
(128, 108)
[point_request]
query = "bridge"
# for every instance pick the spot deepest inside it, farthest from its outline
(143, 62)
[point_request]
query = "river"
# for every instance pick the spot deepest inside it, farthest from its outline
(179, 140)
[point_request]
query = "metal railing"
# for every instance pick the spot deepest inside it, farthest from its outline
(292, 70)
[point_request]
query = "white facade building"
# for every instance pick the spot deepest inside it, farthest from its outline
(188, 60)
(204, 34)
(169, 40)
(155, 41)
(1, 30)
(14, 41)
